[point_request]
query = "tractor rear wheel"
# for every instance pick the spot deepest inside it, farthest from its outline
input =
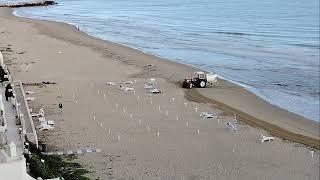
(202, 84)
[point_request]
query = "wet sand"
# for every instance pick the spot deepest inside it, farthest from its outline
(145, 141)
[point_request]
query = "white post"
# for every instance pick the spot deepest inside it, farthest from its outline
(1, 59)
(312, 153)
(13, 150)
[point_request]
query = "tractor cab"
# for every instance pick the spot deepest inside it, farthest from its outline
(200, 75)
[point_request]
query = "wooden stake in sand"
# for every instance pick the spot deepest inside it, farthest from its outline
(312, 152)
(198, 131)
(124, 110)
(158, 134)
(101, 124)
(177, 118)
(187, 124)
(172, 99)
(196, 109)
(185, 105)
(109, 131)
(94, 118)
(138, 98)
(233, 149)
(218, 119)
(134, 92)
(98, 91)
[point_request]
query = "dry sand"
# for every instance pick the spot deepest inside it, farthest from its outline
(153, 144)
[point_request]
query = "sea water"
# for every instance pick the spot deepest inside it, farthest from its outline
(271, 47)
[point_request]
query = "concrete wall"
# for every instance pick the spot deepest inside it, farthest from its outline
(31, 136)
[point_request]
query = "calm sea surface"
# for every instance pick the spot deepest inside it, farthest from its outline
(271, 47)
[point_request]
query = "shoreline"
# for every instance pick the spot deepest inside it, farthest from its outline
(86, 63)
(241, 85)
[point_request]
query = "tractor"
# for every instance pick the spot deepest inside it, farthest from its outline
(201, 80)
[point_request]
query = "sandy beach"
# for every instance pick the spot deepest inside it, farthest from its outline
(145, 136)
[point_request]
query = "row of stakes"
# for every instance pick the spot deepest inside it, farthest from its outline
(148, 127)
(167, 113)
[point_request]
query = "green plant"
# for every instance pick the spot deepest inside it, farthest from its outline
(53, 166)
